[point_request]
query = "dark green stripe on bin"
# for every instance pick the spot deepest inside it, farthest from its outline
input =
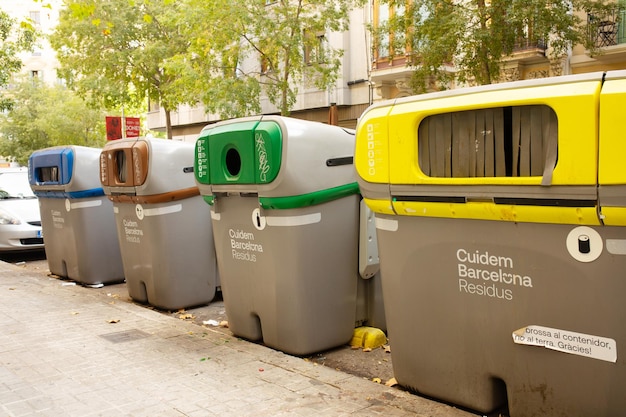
(309, 199)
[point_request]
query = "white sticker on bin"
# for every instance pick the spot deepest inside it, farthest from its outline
(616, 246)
(595, 347)
(294, 220)
(387, 224)
(85, 204)
(159, 211)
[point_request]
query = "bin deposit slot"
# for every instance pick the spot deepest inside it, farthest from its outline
(120, 166)
(479, 199)
(545, 202)
(47, 174)
(335, 162)
(233, 162)
(429, 199)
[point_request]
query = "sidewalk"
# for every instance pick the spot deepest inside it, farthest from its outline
(66, 350)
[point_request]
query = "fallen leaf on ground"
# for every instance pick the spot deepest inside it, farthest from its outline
(224, 323)
(391, 382)
(387, 348)
(186, 316)
(73, 313)
(377, 380)
(113, 321)
(367, 349)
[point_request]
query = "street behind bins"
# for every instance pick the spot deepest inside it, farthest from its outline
(69, 350)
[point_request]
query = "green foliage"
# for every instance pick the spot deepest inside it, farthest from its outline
(14, 38)
(114, 52)
(474, 36)
(241, 49)
(47, 116)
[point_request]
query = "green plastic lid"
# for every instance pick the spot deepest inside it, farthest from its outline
(239, 153)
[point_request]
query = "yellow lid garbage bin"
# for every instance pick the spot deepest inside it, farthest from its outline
(500, 214)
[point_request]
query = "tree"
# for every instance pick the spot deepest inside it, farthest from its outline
(14, 39)
(46, 116)
(242, 49)
(473, 36)
(114, 52)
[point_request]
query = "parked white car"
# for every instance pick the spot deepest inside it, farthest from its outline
(20, 219)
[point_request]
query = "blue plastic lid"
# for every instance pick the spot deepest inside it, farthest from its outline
(52, 166)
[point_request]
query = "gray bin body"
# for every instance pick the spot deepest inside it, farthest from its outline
(292, 284)
(168, 253)
(81, 243)
(77, 219)
(465, 353)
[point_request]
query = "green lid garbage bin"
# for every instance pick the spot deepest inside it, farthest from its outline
(285, 208)
(500, 213)
(163, 225)
(76, 217)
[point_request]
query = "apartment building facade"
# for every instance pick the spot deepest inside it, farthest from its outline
(366, 74)
(372, 74)
(40, 63)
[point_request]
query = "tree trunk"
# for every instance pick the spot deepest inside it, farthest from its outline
(483, 55)
(168, 124)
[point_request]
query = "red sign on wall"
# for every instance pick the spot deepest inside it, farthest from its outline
(133, 127)
(114, 127)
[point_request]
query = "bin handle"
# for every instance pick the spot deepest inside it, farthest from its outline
(344, 160)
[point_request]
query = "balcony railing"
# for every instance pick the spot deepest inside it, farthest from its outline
(607, 30)
(525, 44)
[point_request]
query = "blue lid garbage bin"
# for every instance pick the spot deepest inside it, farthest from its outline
(76, 217)
(285, 208)
(500, 214)
(163, 225)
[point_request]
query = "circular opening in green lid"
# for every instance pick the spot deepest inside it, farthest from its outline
(233, 162)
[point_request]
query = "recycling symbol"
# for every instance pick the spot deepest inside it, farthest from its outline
(139, 211)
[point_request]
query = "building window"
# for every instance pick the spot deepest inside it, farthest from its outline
(517, 141)
(388, 42)
(315, 45)
(35, 18)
